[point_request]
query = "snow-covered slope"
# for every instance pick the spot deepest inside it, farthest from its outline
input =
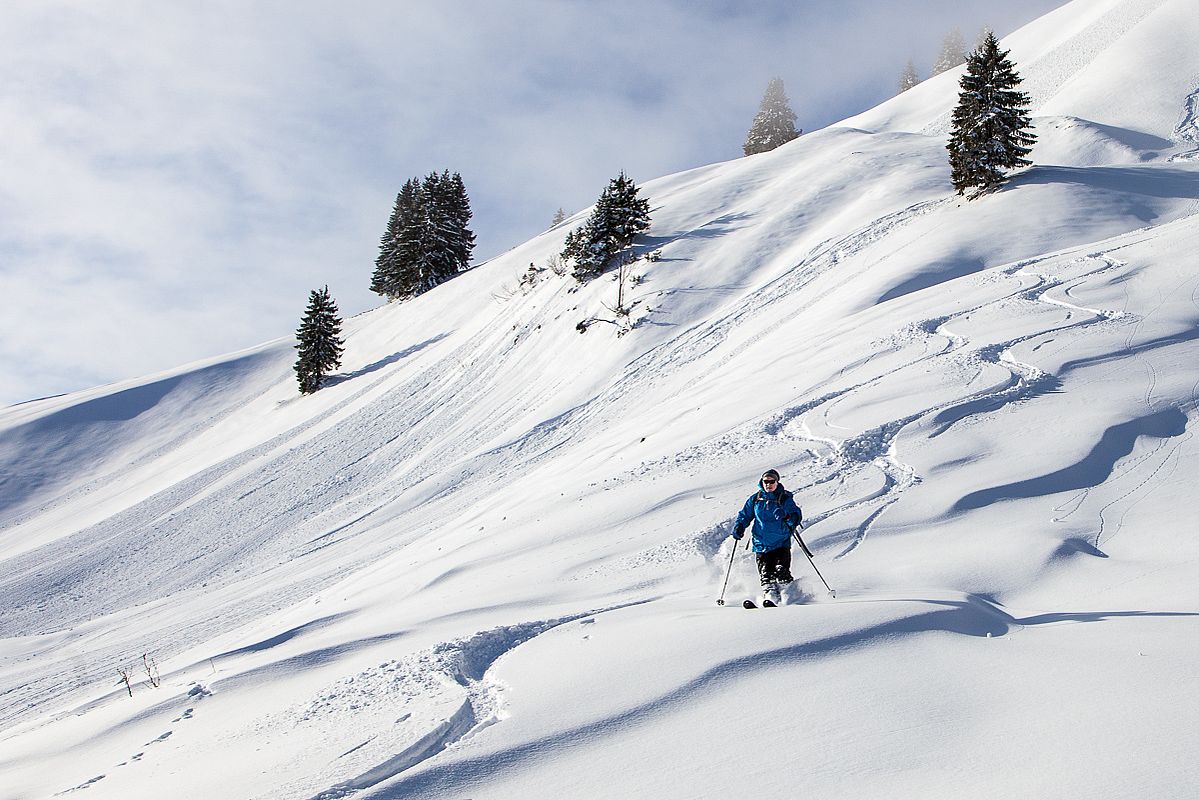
(484, 562)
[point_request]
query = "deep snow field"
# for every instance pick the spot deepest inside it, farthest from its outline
(484, 562)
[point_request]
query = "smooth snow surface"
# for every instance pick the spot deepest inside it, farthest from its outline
(484, 561)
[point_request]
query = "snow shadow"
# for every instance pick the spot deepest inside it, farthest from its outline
(1188, 335)
(296, 663)
(333, 380)
(1095, 468)
(1132, 139)
(68, 442)
(974, 616)
(938, 273)
(286, 636)
(990, 403)
(1074, 546)
(1164, 182)
(718, 227)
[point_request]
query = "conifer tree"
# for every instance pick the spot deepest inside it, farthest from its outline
(428, 238)
(991, 129)
(318, 341)
(774, 124)
(908, 78)
(460, 213)
(559, 217)
(441, 235)
(395, 246)
(618, 218)
(953, 52)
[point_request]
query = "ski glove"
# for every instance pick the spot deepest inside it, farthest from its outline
(736, 534)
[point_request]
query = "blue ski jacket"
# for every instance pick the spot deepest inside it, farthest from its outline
(773, 514)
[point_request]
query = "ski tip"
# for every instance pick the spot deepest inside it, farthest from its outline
(748, 604)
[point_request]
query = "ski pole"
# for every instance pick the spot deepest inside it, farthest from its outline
(720, 602)
(804, 547)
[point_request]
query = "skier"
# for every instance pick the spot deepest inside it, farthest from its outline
(774, 515)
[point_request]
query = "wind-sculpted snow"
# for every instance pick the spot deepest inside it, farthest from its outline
(1115, 444)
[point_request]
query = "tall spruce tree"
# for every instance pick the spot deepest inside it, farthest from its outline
(953, 52)
(991, 129)
(618, 218)
(318, 340)
(908, 78)
(428, 238)
(774, 124)
(460, 213)
(559, 217)
(441, 231)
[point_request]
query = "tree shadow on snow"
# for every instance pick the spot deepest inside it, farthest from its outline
(387, 361)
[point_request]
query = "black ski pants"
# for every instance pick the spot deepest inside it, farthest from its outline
(774, 566)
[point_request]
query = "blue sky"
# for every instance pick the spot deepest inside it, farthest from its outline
(176, 177)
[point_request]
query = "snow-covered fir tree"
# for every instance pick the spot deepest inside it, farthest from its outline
(991, 129)
(559, 217)
(453, 205)
(428, 238)
(617, 219)
(318, 340)
(908, 78)
(387, 279)
(953, 52)
(774, 124)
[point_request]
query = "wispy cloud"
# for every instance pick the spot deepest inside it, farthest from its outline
(175, 177)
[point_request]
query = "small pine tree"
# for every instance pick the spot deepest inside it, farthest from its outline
(953, 52)
(991, 130)
(618, 218)
(559, 217)
(774, 124)
(318, 341)
(908, 78)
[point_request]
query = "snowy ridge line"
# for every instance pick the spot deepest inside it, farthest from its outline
(1047, 75)
(19, 511)
(462, 662)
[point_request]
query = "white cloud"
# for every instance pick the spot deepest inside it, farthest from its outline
(175, 177)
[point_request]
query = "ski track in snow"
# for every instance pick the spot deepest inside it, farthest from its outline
(877, 446)
(463, 664)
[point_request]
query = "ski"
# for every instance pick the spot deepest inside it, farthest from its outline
(749, 604)
(769, 604)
